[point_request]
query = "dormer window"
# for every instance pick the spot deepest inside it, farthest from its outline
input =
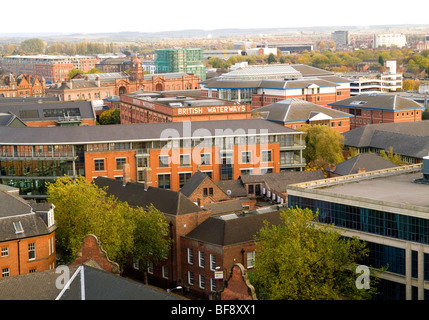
(18, 227)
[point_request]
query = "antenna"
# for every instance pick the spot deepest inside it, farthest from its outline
(228, 192)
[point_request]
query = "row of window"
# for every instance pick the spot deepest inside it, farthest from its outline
(99, 164)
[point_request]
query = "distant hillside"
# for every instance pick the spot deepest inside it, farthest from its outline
(199, 33)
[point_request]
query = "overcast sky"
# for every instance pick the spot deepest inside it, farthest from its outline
(88, 16)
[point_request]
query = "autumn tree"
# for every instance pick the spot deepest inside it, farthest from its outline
(112, 116)
(324, 146)
(82, 208)
(33, 46)
(301, 259)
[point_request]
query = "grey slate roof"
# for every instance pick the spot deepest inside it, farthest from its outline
(13, 209)
(367, 161)
(239, 229)
(166, 201)
(235, 186)
(196, 179)
(227, 206)
(99, 285)
(138, 132)
(9, 119)
(390, 102)
(279, 181)
(294, 109)
(35, 111)
(406, 138)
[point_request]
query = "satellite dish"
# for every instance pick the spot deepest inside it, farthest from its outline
(228, 192)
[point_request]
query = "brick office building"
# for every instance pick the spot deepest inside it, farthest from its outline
(53, 68)
(379, 108)
(160, 154)
(27, 237)
(266, 84)
(149, 107)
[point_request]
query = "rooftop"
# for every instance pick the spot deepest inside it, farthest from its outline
(139, 132)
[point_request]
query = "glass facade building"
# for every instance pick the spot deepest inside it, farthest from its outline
(397, 234)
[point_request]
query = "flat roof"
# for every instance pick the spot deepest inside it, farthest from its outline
(391, 190)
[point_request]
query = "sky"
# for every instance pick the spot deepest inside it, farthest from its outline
(96, 16)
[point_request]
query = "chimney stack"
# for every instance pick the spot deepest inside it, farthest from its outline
(127, 174)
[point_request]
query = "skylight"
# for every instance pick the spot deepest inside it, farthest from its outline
(18, 227)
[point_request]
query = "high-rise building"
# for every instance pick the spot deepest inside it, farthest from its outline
(390, 40)
(341, 38)
(180, 60)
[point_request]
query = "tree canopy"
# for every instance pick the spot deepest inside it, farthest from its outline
(112, 116)
(304, 260)
(82, 208)
(324, 146)
(33, 46)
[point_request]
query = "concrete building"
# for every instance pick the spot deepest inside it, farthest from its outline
(390, 40)
(341, 38)
(389, 210)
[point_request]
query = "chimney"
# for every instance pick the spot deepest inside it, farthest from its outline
(147, 176)
(97, 81)
(127, 174)
(361, 170)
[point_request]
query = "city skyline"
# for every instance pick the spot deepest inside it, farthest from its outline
(97, 17)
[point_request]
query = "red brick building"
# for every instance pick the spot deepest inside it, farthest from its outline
(23, 85)
(27, 238)
(379, 108)
(150, 107)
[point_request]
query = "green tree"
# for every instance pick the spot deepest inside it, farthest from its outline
(301, 259)
(112, 116)
(33, 46)
(271, 58)
(323, 145)
(82, 208)
(391, 156)
(74, 72)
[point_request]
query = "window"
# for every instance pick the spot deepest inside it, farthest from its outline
(183, 177)
(165, 272)
(190, 278)
(99, 164)
(120, 162)
(163, 161)
(31, 251)
(245, 172)
(212, 262)
(205, 158)
(190, 256)
(202, 282)
(250, 259)
(18, 227)
(5, 272)
(136, 264)
(266, 156)
(246, 157)
(201, 259)
(5, 252)
(213, 284)
(150, 267)
(184, 160)
(164, 181)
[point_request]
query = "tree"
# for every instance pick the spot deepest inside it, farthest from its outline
(74, 72)
(33, 46)
(323, 145)
(392, 157)
(82, 208)
(301, 259)
(271, 58)
(112, 116)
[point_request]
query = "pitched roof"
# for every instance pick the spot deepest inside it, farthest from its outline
(139, 132)
(135, 194)
(235, 187)
(227, 206)
(193, 183)
(279, 181)
(406, 138)
(14, 209)
(367, 161)
(99, 285)
(293, 109)
(232, 229)
(390, 102)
